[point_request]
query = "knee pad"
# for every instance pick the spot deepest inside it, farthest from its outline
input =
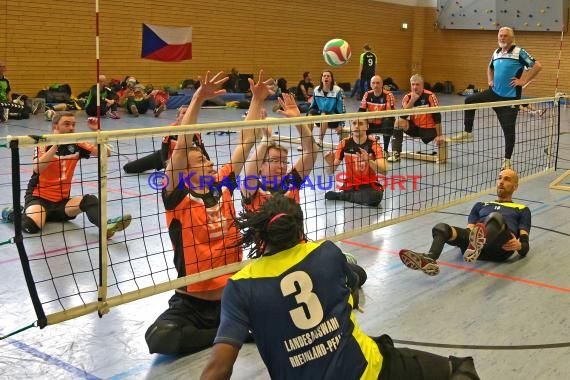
(495, 217)
(443, 229)
(87, 202)
(374, 197)
(29, 226)
(360, 272)
(163, 337)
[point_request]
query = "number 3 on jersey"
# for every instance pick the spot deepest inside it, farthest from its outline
(310, 311)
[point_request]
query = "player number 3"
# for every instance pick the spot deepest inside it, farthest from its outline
(310, 312)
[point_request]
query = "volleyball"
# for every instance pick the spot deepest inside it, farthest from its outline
(336, 52)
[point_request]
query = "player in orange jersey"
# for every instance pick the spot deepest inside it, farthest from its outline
(200, 217)
(48, 197)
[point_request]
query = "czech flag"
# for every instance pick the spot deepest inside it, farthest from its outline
(166, 43)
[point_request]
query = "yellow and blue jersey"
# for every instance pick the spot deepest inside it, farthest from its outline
(516, 215)
(298, 305)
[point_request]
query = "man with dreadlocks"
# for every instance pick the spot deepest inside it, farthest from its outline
(311, 290)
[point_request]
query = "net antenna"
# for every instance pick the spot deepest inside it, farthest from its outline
(559, 59)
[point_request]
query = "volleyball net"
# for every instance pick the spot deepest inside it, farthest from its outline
(71, 270)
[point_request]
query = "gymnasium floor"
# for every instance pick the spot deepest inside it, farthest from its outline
(521, 302)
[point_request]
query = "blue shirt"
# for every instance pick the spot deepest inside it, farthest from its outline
(330, 103)
(298, 307)
(507, 66)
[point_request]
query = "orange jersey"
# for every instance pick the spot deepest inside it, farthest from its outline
(54, 182)
(371, 103)
(202, 230)
(289, 188)
(357, 172)
(428, 120)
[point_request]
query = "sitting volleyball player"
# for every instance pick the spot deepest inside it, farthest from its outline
(305, 327)
(267, 169)
(364, 160)
(495, 230)
(48, 195)
(425, 126)
(199, 215)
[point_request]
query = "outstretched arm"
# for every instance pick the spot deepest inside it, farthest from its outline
(209, 88)
(260, 91)
(305, 163)
(253, 164)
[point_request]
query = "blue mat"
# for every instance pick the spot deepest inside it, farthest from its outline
(184, 99)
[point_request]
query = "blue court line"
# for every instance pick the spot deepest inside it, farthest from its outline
(76, 372)
(160, 359)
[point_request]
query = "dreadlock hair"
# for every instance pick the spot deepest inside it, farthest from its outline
(278, 224)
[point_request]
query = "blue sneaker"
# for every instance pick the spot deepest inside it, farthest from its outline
(8, 214)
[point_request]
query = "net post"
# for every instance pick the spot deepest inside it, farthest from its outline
(19, 238)
(102, 169)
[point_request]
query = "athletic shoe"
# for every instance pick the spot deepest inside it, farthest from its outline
(134, 110)
(415, 261)
(463, 136)
(395, 157)
(507, 164)
(386, 154)
(118, 224)
(8, 214)
(477, 241)
(158, 110)
(113, 115)
(49, 114)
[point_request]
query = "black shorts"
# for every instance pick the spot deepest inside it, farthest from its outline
(426, 134)
(331, 124)
(386, 127)
(186, 310)
(408, 364)
(55, 210)
(492, 251)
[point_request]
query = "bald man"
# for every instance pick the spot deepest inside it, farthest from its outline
(495, 231)
(108, 102)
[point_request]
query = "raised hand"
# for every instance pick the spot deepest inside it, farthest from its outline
(92, 123)
(288, 105)
(210, 87)
(263, 88)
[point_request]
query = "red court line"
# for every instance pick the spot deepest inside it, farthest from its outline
(64, 249)
(469, 269)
